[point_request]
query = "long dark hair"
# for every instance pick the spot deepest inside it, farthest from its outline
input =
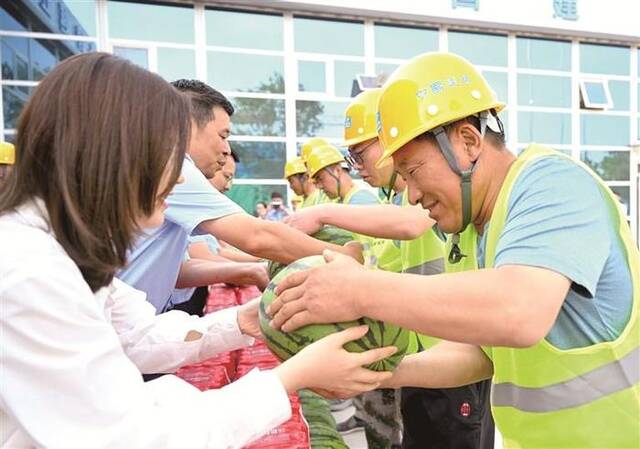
(93, 143)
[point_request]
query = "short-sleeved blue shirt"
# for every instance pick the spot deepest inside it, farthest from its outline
(154, 262)
(363, 197)
(557, 218)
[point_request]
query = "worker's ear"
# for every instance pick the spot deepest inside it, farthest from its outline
(465, 136)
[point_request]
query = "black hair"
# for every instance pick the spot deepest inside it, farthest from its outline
(203, 99)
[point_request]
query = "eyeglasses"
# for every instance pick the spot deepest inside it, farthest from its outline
(355, 158)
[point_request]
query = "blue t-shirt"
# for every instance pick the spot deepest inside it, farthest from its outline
(363, 197)
(557, 219)
(211, 241)
(154, 262)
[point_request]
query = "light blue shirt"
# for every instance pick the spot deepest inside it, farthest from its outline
(211, 241)
(180, 295)
(363, 197)
(557, 219)
(154, 262)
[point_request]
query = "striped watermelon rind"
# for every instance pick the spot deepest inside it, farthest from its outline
(285, 345)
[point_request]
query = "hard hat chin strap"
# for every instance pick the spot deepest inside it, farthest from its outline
(440, 134)
(337, 178)
(389, 190)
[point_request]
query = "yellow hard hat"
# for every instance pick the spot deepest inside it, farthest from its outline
(430, 90)
(308, 147)
(322, 157)
(7, 153)
(294, 167)
(360, 118)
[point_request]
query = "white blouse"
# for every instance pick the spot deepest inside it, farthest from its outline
(70, 360)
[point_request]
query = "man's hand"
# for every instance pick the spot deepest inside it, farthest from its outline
(248, 321)
(307, 220)
(325, 294)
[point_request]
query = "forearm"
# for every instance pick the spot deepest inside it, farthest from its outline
(291, 244)
(267, 240)
(165, 342)
(197, 273)
(446, 365)
(384, 221)
(493, 307)
(237, 255)
(202, 251)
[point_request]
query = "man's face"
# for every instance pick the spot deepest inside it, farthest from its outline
(296, 182)
(431, 182)
(209, 147)
(365, 156)
(325, 179)
(223, 179)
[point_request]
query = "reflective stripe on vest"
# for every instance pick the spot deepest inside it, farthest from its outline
(610, 378)
(419, 252)
(427, 268)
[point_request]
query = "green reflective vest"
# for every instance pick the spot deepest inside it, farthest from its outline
(388, 254)
(316, 197)
(421, 256)
(546, 397)
(371, 246)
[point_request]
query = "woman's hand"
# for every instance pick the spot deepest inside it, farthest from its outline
(326, 366)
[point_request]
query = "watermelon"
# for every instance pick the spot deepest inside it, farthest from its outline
(329, 234)
(287, 344)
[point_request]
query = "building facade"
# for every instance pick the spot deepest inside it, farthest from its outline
(569, 70)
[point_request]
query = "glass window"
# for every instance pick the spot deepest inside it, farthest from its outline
(605, 59)
(544, 127)
(247, 196)
(258, 117)
(311, 76)
(499, 83)
(150, 22)
(346, 72)
(597, 129)
(386, 69)
(244, 30)
(139, 56)
(10, 23)
(594, 94)
(610, 165)
(245, 73)
(327, 36)
(264, 160)
(176, 63)
(31, 59)
(13, 100)
(542, 90)
(620, 95)
(59, 17)
(404, 42)
(622, 192)
(10, 138)
(543, 54)
(320, 118)
(482, 49)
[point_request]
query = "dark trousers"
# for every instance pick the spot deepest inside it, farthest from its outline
(195, 305)
(448, 418)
